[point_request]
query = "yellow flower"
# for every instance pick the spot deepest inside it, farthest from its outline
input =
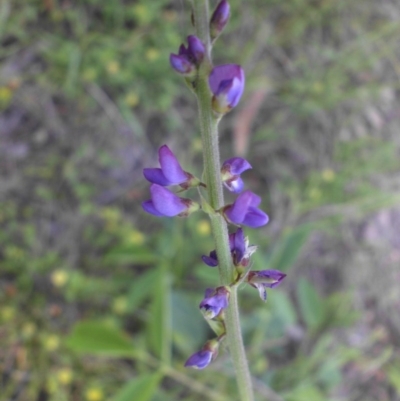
(132, 99)
(52, 342)
(94, 394)
(64, 376)
(113, 67)
(328, 175)
(59, 278)
(152, 54)
(135, 238)
(203, 228)
(120, 305)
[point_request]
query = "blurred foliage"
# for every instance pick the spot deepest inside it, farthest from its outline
(99, 302)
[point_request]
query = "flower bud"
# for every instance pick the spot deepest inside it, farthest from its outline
(215, 300)
(219, 19)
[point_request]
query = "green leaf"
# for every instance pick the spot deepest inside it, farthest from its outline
(141, 288)
(141, 388)
(312, 306)
(288, 250)
(95, 337)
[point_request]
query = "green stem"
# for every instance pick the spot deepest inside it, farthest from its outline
(212, 177)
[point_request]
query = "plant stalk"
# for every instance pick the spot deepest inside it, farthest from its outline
(212, 177)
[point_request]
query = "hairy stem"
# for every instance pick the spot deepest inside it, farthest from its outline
(212, 167)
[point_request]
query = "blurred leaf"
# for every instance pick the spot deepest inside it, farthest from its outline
(306, 392)
(141, 288)
(282, 306)
(98, 338)
(188, 324)
(141, 388)
(393, 374)
(312, 306)
(129, 255)
(159, 325)
(285, 254)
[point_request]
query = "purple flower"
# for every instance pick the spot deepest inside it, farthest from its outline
(227, 85)
(219, 19)
(163, 202)
(231, 170)
(244, 211)
(215, 300)
(171, 172)
(264, 279)
(187, 60)
(202, 358)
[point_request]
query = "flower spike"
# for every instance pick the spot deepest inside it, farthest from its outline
(219, 19)
(230, 172)
(227, 84)
(163, 202)
(244, 211)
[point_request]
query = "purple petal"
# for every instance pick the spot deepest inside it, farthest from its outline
(149, 208)
(181, 64)
(234, 185)
(196, 48)
(261, 291)
(269, 278)
(166, 202)
(236, 165)
(210, 260)
(226, 72)
(199, 360)
(255, 218)
(237, 211)
(209, 292)
(156, 176)
(240, 245)
(170, 166)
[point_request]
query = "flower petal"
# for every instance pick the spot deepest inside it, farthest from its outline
(166, 202)
(149, 208)
(237, 211)
(240, 245)
(255, 218)
(236, 165)
(234, 185)
(170, 166)
(156, 176)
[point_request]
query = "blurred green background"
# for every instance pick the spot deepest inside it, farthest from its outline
(98, 301)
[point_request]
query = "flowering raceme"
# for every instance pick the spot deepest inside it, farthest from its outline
(226, 85)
